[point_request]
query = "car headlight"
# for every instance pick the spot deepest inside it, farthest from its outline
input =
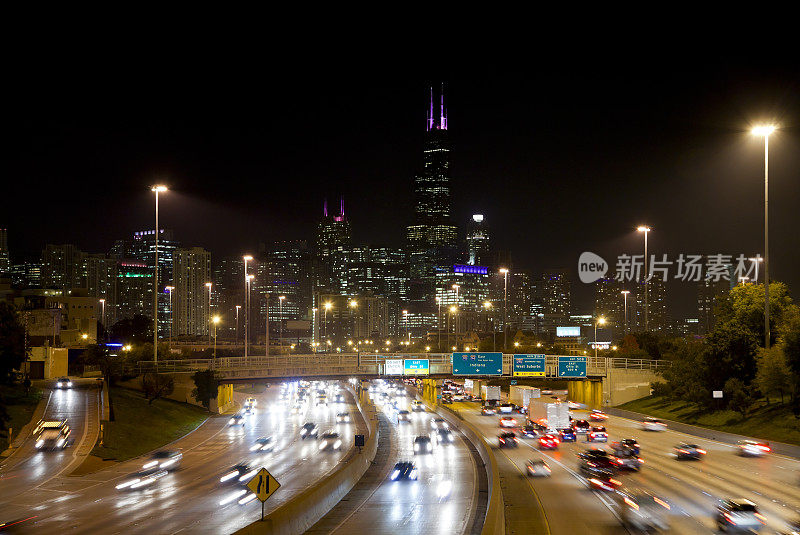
(168, 463)
(416, 447)
(228, 476)
(323, 444)
(304, 431)
(150, 464)
(231, 421)
(394, 475)
(39, 443)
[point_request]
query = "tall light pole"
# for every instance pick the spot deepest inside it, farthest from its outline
(208, 285)
(405, 318)
(765, 131)
(488, 306)
(454, 315)
(352, 305)
(246, 258)
(103, 312)
(266, 324)
(169, 290)
(456, 288)
(326, 308)
(601, 321)
(280, 320)
(646, 230)
(625, 297)
(215, 321)
(504, 271)
(156, 189)
(237, 324)
(439, 322)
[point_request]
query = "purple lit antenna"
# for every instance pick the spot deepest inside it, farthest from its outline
(341, 206)
(443, 121)
(325, 207)
(430, 113)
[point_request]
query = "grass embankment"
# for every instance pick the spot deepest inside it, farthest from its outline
(139, 427)
(255, 388)
(19, 407)
(771, 422)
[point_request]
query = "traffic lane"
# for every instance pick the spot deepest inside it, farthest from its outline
(569, 505)
(440, 500)
(30, 467)
(769, 481)
(189, 498)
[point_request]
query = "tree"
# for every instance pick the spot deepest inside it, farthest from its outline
(206, 387)
(773, 374)
(135, 330)
(12, 343)
(157, 385)
(790, 340)
(110, 366)
(739, 397)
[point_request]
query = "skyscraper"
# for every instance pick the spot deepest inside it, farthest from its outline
(333, 237)
(432, 236)
(63, 267)
(556, 293)
(190, 302)
(5, 260)
(477, 241)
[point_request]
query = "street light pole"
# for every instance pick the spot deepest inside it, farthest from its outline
(215, 321)
(646, 230)
(266, 324)
(405, 317)
(237, 324)
(439, 322)
(456, 287)
(246, 259)
(625, 297)
(601, 320)
(504, 271)
(156, 189)
(280, 321)
(208, 285)
(766, 131)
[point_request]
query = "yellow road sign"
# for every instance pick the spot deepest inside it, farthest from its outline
(263, 484)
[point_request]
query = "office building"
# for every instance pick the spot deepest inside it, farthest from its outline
(5, 256)
(63, 267)
(191, 302)
(477, 241)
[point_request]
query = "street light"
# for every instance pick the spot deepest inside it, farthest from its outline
(439, 322)
(169, 290)
(247, 258)
(646, 230)
(208, 285)
(156, 189)
(504, 271)
(327, 307)
(601, 321)
(352, 304)
(765, 131)
(488, 306)
(453, 312)
(215, 320)
(456, 287)
(625, 306)
(103, 312)
(237, 323)
(405, 317)
(281, 298)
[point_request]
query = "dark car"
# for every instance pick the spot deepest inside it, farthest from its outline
(403, 470)
(263, 444)
(239, 473)
(164, 460)
(626, 459)
(581, 426)
(443, 436)
(507, 440)
(739, 515)
(626, 444)
(309, 430)
(689, 451)
(596, 463)
(423, 444)
(63, 382)
(330, 441)
(568, 435)
(534, 430)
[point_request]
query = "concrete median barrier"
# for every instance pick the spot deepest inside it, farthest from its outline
(309, 506)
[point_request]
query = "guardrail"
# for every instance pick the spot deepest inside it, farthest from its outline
(322, 364)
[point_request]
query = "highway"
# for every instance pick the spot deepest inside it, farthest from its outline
(691, 488)
(189, 499)
(441, 501)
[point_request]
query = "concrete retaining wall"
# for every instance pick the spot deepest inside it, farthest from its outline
(621, 385)
(790, 450)
(308, 507)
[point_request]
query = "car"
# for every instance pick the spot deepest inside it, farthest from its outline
(263, 444)
(567, 435)
(322, 399)
(596, 462)
(343, 418)
(548, 442)
(249, 410)
(546, 392)
(240, 473)
(417, 406)
(506, 408)
(458, 396)
(403, 470)
(163, 460)
(52, 435)
(338, 398)
(753, 448)
(572, 405)
(508, 421)
(236, 420)
(643, 510)
(63, 383)
(250, 402)
(487, 410)
(308, 430)
(403, 416)
(653, 424)
(446, 400)
(537, 467)
(597, 434)
(443, 436)
(507, 440)
(141, 479)
(534, 430)
(423, 444)
(581, 426)
(598, 416)
(689, 451)
(626, 444)
(739, 515)
(625, 459)
(439, 423)
(330, 441)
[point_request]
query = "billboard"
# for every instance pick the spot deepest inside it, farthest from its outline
(477, 364)
(568, 331)
(527, 366)
(393, 367)
(416, 367)
(571, 366)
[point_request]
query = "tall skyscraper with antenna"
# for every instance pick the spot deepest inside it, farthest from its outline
(432, 237)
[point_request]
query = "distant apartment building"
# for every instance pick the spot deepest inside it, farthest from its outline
(190, 300)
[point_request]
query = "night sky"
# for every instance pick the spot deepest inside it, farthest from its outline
(559, 164)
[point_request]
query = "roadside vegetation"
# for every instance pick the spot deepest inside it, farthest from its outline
(143, 424)
(19, 407)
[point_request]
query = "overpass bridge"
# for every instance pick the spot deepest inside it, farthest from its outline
(608, 381)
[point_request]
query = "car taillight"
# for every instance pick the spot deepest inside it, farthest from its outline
(761, 518)
(730, 519)
(702, 452)
(662, 503)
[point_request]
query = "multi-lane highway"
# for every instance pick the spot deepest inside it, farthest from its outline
(190, 499)
(691, 488)
(443, 497)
